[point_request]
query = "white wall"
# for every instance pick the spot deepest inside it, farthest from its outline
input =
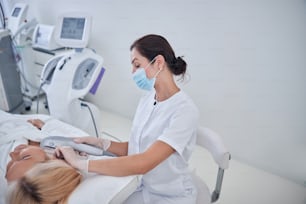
(247, 66)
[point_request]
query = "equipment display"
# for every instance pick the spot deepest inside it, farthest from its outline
(16, 12)
(73, 30)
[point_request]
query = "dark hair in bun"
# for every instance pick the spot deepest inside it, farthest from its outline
(152, 45)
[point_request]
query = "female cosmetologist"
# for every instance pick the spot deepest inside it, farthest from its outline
(163, 134)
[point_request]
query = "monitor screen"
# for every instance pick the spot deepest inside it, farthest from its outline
(16, 12)
(73, 28)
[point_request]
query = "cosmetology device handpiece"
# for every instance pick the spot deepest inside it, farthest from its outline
(54, 141)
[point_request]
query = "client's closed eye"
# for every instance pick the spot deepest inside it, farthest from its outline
(26, 157)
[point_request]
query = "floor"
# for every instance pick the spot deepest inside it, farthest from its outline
(242, 184)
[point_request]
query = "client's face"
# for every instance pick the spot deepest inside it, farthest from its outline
(22, 159)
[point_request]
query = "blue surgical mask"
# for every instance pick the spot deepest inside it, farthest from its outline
(141, 79)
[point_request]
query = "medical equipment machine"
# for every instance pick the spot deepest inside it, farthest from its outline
(21, 30)
(67, 78)
(43, 38)
(55, 141)
(11, 99)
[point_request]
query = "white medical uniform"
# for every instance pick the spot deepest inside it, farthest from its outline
(173, 121)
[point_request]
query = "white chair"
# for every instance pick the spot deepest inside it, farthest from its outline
(211, 141)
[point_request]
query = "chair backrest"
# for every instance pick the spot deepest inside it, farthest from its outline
(211, 141)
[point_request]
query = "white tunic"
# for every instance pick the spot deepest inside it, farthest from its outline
(173, 121)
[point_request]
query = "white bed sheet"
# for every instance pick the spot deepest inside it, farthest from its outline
(94, 189)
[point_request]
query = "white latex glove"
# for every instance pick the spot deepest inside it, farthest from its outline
(104, 144)
(72, 158)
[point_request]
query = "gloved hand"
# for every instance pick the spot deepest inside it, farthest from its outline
(104, 144)
(72, 157)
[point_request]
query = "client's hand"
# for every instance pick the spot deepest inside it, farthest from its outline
(72, 157)
(98, 142)
(37, 123)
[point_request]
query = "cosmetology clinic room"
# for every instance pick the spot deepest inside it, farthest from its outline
(153, 102)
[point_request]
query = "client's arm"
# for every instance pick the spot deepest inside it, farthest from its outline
(38, 124)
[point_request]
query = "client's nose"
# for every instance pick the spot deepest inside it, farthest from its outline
(14, 155)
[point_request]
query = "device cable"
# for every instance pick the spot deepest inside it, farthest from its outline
(112, 136)
(2, 17)
(37, 97)
(92, 117)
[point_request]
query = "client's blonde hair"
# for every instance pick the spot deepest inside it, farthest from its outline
(46, 183)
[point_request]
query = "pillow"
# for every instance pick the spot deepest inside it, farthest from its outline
(103, 189)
